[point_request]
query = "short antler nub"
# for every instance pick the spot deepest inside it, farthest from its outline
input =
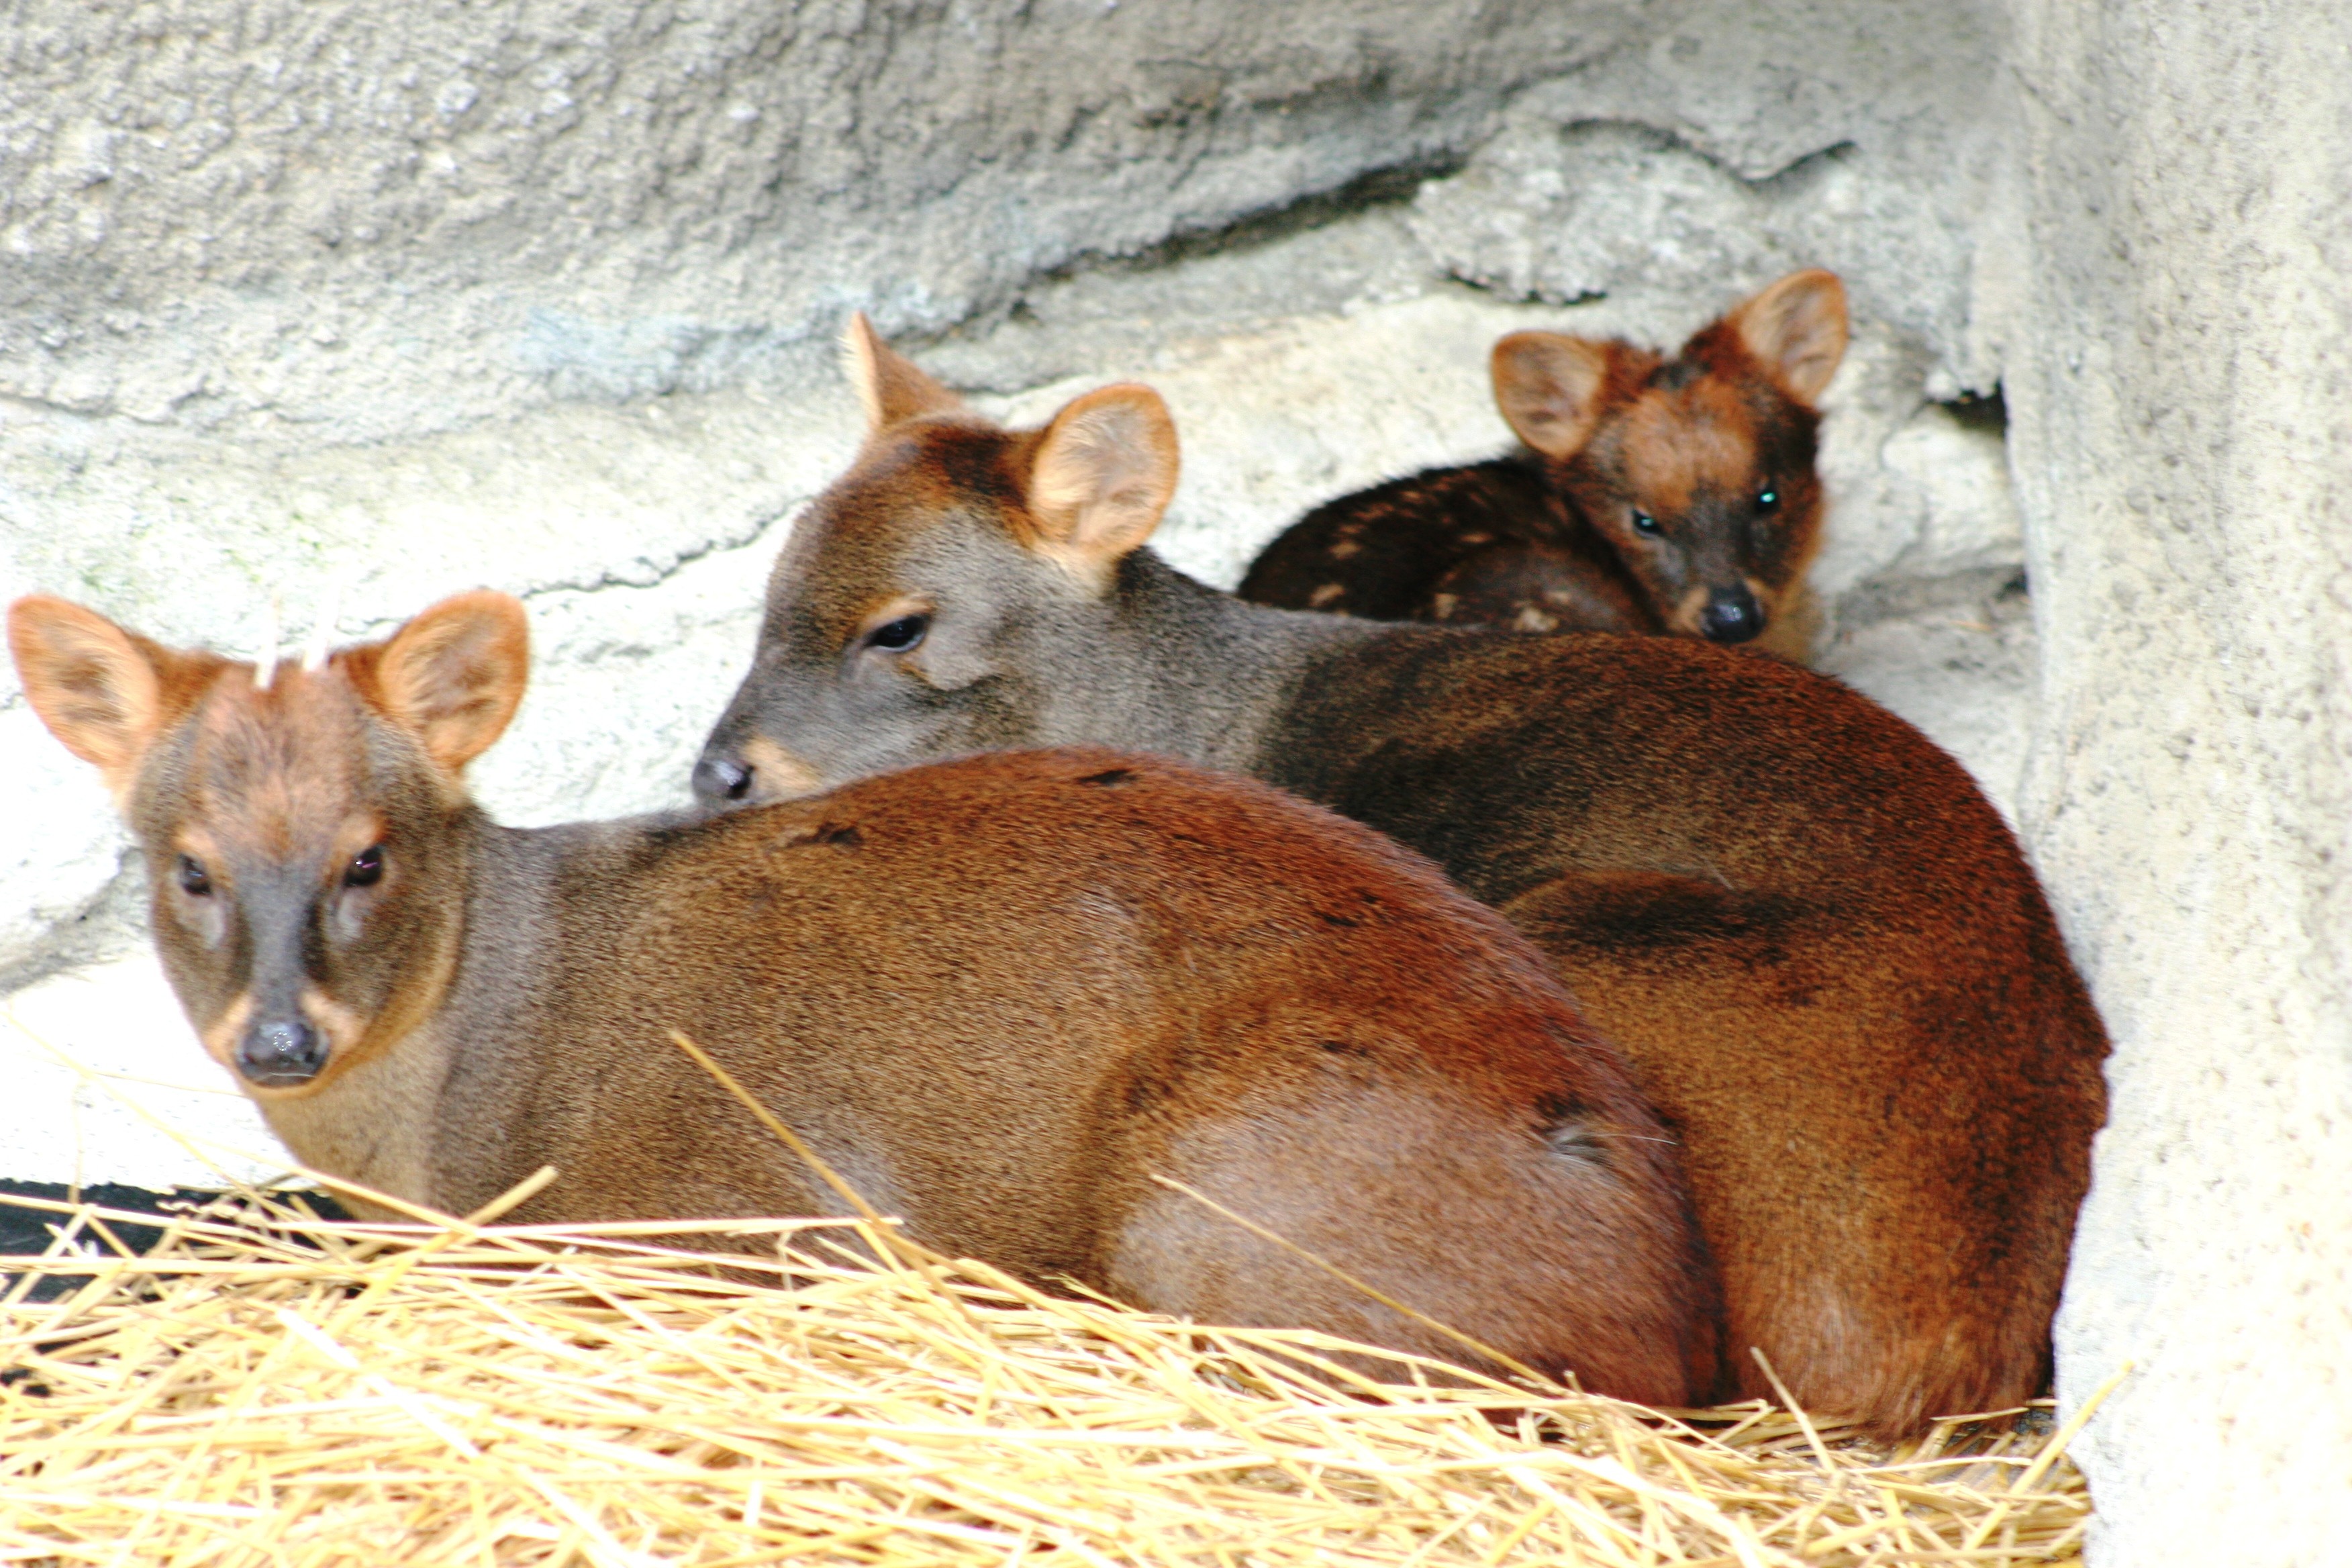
(323, 634)
(265, 661)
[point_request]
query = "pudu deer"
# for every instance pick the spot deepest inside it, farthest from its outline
(999, 996)
(1835, 975)
(1650, 495)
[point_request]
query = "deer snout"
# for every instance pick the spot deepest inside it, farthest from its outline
(280, 1052)
(752, 772)
(717, 778)
(1732, 615)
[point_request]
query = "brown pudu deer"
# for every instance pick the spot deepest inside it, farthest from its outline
(1833, 972)
(1653, 495)
(999, 994)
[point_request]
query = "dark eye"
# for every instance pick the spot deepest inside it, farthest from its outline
(1644, 523)
(1767, 500)
(194, 880)
(898, 635)
(366, 867)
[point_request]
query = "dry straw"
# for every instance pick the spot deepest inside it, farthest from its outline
(265, 1387)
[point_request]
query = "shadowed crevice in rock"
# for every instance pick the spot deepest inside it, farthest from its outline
(1395, 185)
(1987, 412)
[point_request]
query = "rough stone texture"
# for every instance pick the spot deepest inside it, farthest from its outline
(2178, 356)
(277, 208)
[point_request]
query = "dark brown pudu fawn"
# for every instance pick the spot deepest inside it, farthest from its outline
(1835, 975)
(1652, 495)
(999, 996)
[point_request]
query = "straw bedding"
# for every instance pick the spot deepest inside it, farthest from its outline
(268, 1387)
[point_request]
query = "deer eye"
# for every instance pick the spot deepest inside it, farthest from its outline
(898, 635)
(1767, 500)
(1646, 524)
(366, 869)
(194, 879)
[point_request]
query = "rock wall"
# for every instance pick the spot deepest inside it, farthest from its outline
(367, 303)
(2178, 353)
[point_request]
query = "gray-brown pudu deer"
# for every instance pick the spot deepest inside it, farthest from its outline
(1651, 495)
(1833, 972)
(999, 996)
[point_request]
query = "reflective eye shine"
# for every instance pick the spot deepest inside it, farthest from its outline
(366, 867)
(1644, 523)
(194, 879)
(898, 635)
(1767, 500)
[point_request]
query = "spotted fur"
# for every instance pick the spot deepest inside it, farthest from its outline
(1715, 447)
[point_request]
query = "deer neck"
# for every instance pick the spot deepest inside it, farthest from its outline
(1191, 672)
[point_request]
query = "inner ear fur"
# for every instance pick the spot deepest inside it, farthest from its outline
(1797, 331)
(889, 387)
(453, 675)
(105, 693)
(1101, 476)
(1549, 386)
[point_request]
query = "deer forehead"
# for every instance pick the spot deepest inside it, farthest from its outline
(281, 772)
(911, 479)
(918, 496)
(1681, 444)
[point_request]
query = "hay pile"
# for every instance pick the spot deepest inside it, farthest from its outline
(266, 1387)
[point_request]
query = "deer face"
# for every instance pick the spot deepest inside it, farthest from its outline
(885, 637)
(306, 841)
(906, 612)
(1707, 490)
(1699, 469)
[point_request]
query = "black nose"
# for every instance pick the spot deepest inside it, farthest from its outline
(1732, 615)
(281, 1052)
(722, 778)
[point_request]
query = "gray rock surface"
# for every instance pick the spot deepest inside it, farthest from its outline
(2178, 355)
(391, 218)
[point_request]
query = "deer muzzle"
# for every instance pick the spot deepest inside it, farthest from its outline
(281, 1053)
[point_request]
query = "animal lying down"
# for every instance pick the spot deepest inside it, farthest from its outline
(1833, 971)
(1000, 995)
(1654, 494)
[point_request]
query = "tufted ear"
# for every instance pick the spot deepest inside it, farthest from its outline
(1797, 331)
(1101, 476)
(889, 387)
(105, 693)
(454, 675)
(1548, 386)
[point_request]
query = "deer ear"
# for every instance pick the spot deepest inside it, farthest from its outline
(1797, 330)
(1101, 475)
(99, 689)
(888, 385)
(454, 674)
(1549, 387)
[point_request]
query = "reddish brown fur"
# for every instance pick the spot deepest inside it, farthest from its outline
(1000, 993)
(1833, 971)
(1545, 540)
